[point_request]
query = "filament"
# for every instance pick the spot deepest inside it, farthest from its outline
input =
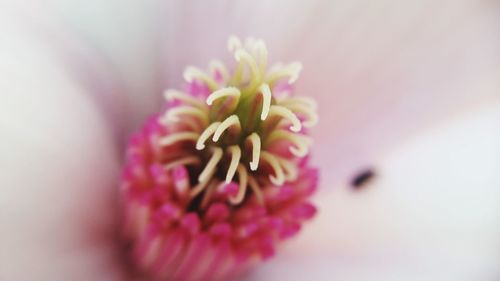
(232, 120)
(188, 99)
(200, 143)
(224, 92)
(188, 160)
(266, 100)
(218, 66)
(192, 73)
(177, 137)
(256, 190)
(235, 159)
(255, 141)
(287, 114)
(278, 178)
(174, 113)
(207, 173)
(243, 178)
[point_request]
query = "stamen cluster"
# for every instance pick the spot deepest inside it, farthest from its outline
(240, 123)
(222, 175)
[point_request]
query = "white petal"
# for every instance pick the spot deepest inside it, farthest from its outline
(58, 166)
(433, 213)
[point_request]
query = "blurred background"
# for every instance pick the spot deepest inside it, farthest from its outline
(410, 89)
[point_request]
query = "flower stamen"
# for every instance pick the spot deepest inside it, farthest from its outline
(224, 92)
(301, 142)
(266, 100)
(217, 66)
(243, 56)
(256, 190)
(278, 178)
(200, 143)
(235, 152)
(188, 160)
(292, 71)
(192, 73)
(174, 94)
(255, 141)
(287, 114)
(232, 120)
(243, 178)
(177, 137)
(310, 114)
(209, 169)
(233, 43)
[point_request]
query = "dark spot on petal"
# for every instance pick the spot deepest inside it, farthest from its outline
(363, 178)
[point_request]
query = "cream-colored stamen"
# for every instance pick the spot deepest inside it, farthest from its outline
(188, 160)
(301, 142)
(233, 43)
(209, 190)
(255, 141)
(243, 179)
(192, 73)
(174, 94)
(266, 100)
(243, 56)
(310, 114)
(174, 113)
(207, 173)
(198, 188)
(218, 66)
(292, 71)
(190, 122)
(288, 114)
(235, 152)
(224, 92)
(177, 137)
(299, 100)
(279, 177)
(232, 120)
(261, 53)
(200, 144)
(289, 168)
(252, 182)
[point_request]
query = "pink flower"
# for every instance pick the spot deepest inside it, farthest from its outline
(216, 181)
(408, 87)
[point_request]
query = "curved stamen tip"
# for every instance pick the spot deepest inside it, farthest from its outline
(200, 143)
(243, 178)
(207, 173)
(266, 100)
(279, 177)
(233, 43)
(295, 69)
(232, 120)
(224, 92)
(235, 159)
(256, 144)
(288, 114)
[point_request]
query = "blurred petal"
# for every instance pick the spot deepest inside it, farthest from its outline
(433, 214)
(59, 168)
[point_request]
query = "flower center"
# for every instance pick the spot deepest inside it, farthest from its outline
(242, 125)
